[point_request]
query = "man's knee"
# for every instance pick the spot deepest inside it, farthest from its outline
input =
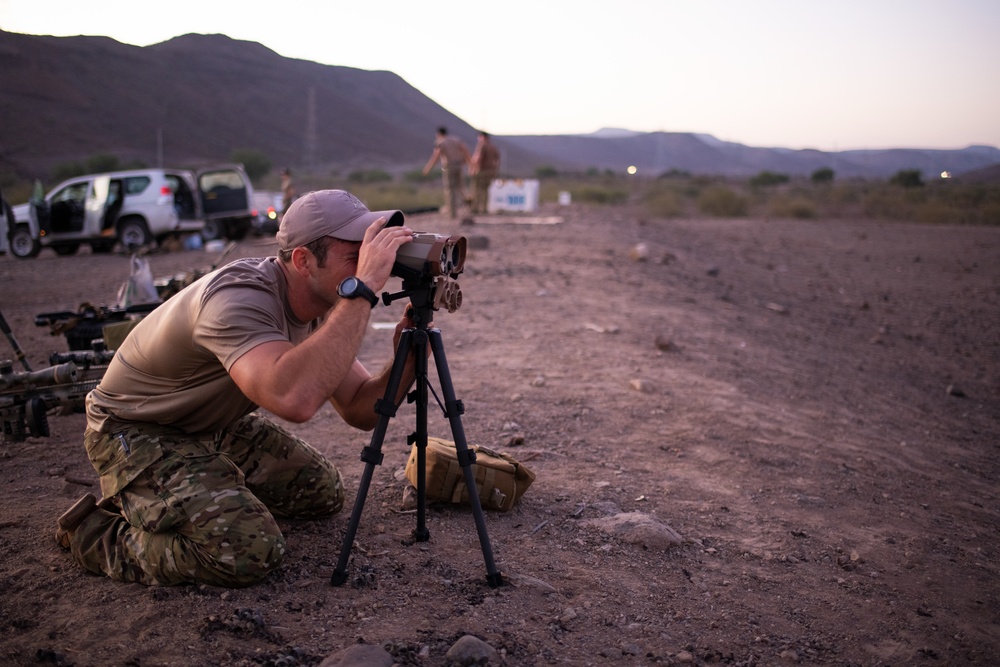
(250, 548)
(319, 493)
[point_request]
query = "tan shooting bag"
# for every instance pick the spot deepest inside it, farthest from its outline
(500, 479)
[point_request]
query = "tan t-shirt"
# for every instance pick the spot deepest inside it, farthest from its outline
(486, 158)
(173, 367)
(452, 153)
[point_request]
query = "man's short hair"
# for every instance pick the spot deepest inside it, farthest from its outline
(319, 248)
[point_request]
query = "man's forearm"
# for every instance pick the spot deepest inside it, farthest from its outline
(361, 413)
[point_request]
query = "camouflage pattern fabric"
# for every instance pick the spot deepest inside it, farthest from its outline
(201, 510)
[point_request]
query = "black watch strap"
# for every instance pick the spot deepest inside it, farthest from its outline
(366, 292)
(357, 288)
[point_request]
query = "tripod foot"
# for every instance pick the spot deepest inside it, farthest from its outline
(421, 535)
(495, 580)
(338, 577)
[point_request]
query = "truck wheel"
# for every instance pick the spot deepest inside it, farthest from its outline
(213, 230)
(22, 244)
(132, 232)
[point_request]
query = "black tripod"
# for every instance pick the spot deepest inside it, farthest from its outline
(421, 293)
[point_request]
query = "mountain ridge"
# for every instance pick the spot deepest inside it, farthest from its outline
(70, 98)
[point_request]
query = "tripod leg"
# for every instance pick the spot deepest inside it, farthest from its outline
(372, 454)
(454, 409)
(421, 533)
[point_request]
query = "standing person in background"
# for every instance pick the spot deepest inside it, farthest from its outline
(288, 193)
(453, 156)
(484, 167)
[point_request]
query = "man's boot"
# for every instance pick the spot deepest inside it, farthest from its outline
(73, 517)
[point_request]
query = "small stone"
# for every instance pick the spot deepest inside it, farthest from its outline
(639, 252)
(644, 386)
(471, 650)
(359, 654)
(664, 344)
(638, 528)
(409, 499)
(778, 308)
(538, 381)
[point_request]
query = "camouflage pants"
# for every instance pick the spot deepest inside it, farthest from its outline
(201, 510)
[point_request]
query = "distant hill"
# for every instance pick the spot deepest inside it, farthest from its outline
(987, 175)
(661, 152)
(197, 98)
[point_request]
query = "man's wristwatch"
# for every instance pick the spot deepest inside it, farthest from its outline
(352, 288)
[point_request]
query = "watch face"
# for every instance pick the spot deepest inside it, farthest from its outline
(348, 286)
(352, 288)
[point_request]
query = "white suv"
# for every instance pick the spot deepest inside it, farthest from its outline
(133, 208)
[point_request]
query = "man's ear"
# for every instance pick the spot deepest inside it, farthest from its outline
(303, 262)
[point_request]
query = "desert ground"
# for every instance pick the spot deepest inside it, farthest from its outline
(757, 442)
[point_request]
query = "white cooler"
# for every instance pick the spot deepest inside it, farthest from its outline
(513, 195)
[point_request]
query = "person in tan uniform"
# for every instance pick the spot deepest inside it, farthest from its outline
(454, 156)
(288, 193)
(192, 475)
(484, 167)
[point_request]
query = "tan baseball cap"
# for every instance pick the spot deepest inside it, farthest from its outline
(333, 213)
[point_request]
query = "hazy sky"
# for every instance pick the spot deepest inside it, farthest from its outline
(832, 75)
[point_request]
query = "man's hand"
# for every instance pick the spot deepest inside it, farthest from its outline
(378, 252)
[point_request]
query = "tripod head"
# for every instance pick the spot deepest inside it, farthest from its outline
(427, 294)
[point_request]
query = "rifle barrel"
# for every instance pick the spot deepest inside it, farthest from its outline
(45, 377)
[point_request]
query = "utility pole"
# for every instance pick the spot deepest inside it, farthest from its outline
(309, 152)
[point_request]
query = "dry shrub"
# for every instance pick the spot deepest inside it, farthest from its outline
(403, 196)
(595, 194)
(721, 202)
(664, 203)
(793, 206)
(887, 204)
